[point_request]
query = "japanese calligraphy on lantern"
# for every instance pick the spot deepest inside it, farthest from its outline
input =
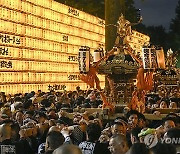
(73, 77)
(149, 58)
(73, 12)
(5, 64)
(65, 38)
(101, 22)
(5, 38)
(4, 51)
(56, 87)
(72, 58)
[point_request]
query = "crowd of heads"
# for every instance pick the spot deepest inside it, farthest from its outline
(47, 122)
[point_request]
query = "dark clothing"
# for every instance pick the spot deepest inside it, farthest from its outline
(94, 148)
(95, 104)
(101, 148)
(92, 104)
(25, 147)
(8, 147)
(78, 136)
(33, 144)
(86, 104)
(78, 102)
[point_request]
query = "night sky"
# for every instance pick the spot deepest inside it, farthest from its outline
(157, 12)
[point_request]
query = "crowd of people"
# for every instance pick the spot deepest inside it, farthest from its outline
(38, 123)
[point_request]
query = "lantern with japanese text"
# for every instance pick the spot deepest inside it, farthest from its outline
(84, 59)
(149, 57)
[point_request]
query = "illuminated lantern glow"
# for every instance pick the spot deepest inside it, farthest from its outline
(84, 59)
(98, 54)
(160, 58)
(149, 58)
(35, 45)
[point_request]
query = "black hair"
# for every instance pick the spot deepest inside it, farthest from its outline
(55, 139)
(168, 118)
(151, 101)
(27, 104)
(78, 88)
(46, 103)
(137, 148)
(131, 113)
(118, 123)
(33, 93)
(15, 126)
(93, 131)
(122, 118)
(17, 99)
(41, 114)
(91, 117)
(30, 113)
(141, 116)
(6, 121)
(64, 120)
(51, 109)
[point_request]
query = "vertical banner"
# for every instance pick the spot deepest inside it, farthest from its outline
(149, 58)
(84, 59)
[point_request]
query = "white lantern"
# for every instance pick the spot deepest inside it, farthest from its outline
(149, 58)
(84, 59)
(98, 54)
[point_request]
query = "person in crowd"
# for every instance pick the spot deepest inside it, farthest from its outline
(133, 117)
(28, 105)
(19, 117)
(173, 105)
(27, 120)
(163, 105)
(173, 136)
(41, 117)
(41, 148)
(54, 139)
(118, 128)
(51, 114)
(168, 123)
(139, 148)
(163, 148)
(79, 132)
(118, 144)
(141, 121)
(92, 145)
(68, 149)
(16, 102)
(79, 99)
(6, 145)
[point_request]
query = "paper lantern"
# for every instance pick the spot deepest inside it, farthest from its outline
(84, 59)
(160, 58)
(149, 58)
(98, 54)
